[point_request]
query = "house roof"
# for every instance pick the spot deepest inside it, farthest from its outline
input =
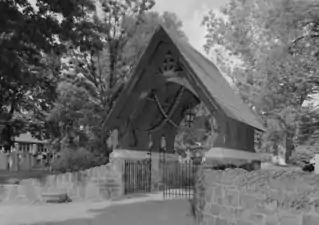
(205, 76)
(27, 138)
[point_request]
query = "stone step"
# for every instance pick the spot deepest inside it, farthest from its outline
(55, 197)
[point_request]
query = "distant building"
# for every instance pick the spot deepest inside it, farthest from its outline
(31, 153)
(26, 143)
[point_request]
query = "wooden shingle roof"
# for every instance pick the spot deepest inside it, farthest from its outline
(216, 86)
(204, 76)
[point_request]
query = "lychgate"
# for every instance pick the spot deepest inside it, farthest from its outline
(170, 78)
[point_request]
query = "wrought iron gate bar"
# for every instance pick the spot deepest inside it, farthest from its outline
(178, 179)
(137, 175)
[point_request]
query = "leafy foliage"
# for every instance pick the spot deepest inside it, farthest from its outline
(203, 131)
(29, 50)
(274, 46)
(303, 156)
(63, 63)
(69, 160)
(93, 76)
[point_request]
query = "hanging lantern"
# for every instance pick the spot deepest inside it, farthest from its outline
(189, 117)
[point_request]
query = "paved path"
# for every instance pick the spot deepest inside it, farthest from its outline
(149, 210)
(169, 212)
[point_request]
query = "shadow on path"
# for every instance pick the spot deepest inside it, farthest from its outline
(167, 212)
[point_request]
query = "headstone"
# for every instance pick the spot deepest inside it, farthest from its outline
(14, 158)
(34, 149)
(25, 161)
(3, 161)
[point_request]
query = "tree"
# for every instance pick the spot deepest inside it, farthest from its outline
(202, 131)
(274, 74)
(28, 47)
(93, 77)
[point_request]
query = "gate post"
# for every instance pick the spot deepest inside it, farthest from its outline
(119, 157)
(118, 165)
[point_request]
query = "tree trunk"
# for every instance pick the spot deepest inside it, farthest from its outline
(289, 147)
(6, 138)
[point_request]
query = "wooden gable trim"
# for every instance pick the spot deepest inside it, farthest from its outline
(192, 79)
(201, 91)
(178, 78)
(136, 74)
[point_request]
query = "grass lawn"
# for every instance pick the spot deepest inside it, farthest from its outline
(7, 177)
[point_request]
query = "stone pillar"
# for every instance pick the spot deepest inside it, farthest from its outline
(3, 161)
(17, 146)
(14, 158)
(117, 160)
(155, 170)
(25, 163)
(33, 161)
(33, 152)
(34, 149)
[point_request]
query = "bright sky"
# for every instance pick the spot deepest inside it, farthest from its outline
(191, 13)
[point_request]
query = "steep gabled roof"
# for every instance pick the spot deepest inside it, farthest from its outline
(216, 85)
(204, 75)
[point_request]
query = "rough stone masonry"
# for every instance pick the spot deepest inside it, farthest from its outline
(97, 183)
(239, 197)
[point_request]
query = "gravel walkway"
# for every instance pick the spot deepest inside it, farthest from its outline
(146, 210)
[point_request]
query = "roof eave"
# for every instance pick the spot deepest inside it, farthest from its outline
(110, 120)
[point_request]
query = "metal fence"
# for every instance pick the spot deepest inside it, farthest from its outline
(178, 179)
(137, 176)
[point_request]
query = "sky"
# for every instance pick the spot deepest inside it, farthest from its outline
(191, 13)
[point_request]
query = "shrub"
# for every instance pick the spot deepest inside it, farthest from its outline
(302, 155)
(266, 157)
(69, 160)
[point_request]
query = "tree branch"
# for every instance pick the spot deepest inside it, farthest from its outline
(298, 39)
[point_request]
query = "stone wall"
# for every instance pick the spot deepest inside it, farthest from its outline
(238, 197)
(98, 183)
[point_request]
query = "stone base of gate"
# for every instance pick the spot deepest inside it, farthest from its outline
(118, 157)
(138, 155)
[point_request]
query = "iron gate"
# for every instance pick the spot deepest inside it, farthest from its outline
(178, 179)
(137, 176)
